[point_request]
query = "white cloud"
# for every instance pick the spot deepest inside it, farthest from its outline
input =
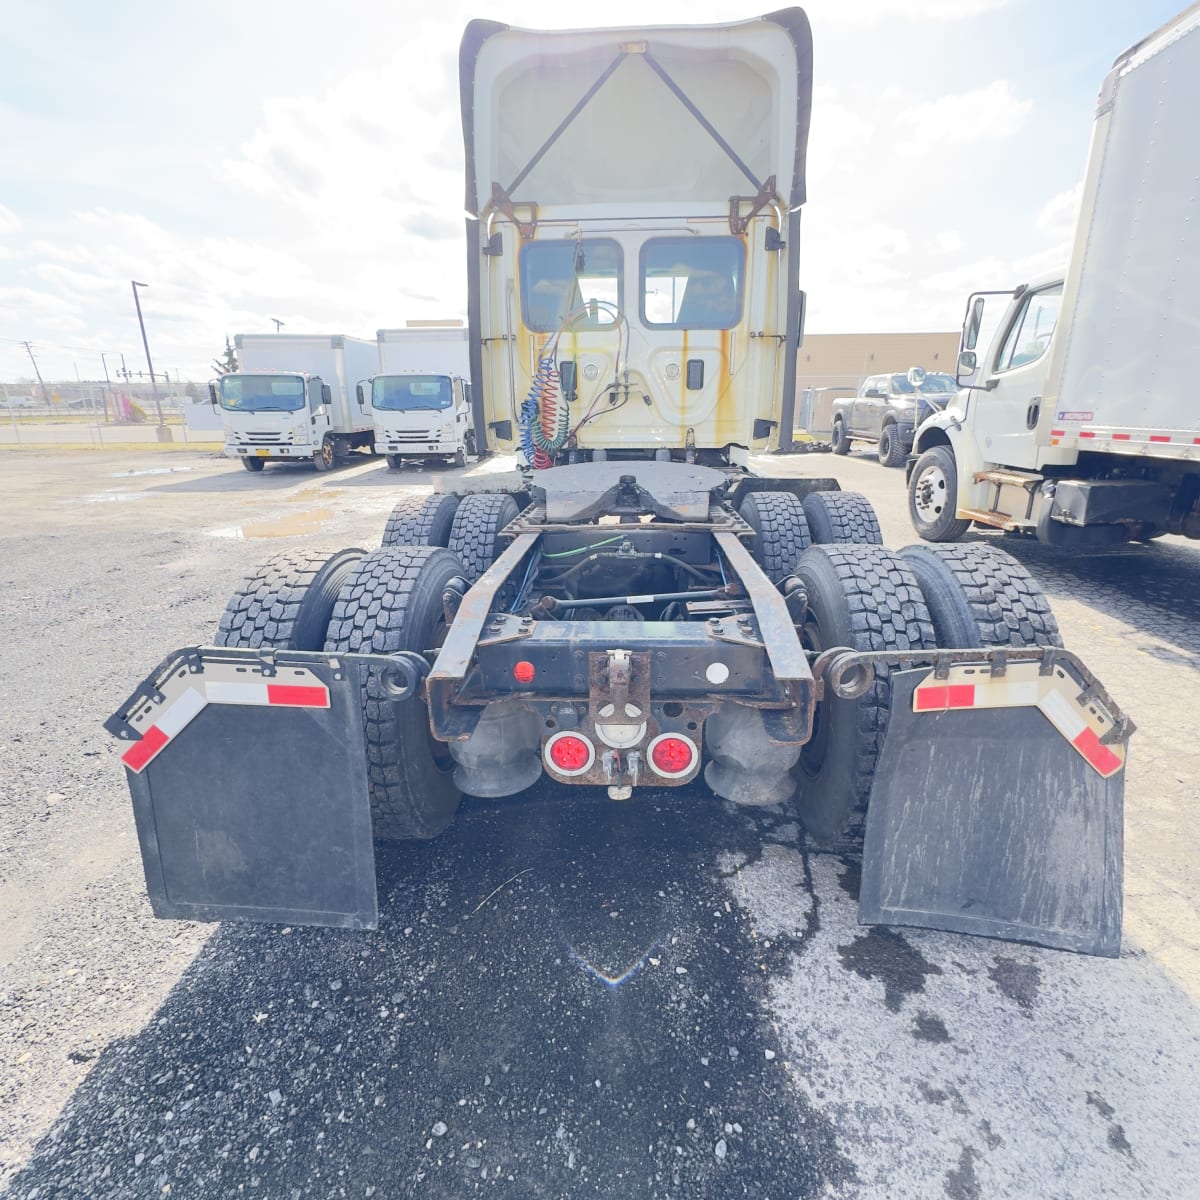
(949, 241)
(982, 114)
(9, 221)
(1059, 213)
(869, 11)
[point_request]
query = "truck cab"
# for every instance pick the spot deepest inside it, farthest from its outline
(421, 416)
(273, 416)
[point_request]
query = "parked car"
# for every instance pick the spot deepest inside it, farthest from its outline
(887, 410)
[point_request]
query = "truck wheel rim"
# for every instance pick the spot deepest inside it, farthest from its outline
(929, 494)
(327, 453)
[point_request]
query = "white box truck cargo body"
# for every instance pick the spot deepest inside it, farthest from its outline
(420, 399)
(1078, 420)
(293, 398)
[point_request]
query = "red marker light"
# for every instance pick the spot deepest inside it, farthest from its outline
(670, 755)
(524, 672)
(570, 753)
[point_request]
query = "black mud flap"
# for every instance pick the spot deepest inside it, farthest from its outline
(997, 809)
(248, 776)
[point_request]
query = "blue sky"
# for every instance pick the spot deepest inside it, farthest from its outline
(303, 161)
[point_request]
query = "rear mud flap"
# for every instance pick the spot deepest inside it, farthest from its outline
(1001, 819)
(248, 776)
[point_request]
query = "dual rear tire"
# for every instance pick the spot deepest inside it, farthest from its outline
(867, 598)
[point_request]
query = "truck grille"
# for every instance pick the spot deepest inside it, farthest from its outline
(264, 437)
(411, 436)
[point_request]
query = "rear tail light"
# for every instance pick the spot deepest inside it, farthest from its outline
(569, 754)
(672, 755)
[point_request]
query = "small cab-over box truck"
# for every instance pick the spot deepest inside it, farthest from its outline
(420, 399)
(293, 398)
(637, 610)
(1077, 422)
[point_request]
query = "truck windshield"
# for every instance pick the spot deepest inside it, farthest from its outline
(262, 393)
(403, 393)
(692, 283)
(930, 384)
(571, 281)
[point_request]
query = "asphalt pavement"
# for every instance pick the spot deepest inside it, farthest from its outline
(567, 996)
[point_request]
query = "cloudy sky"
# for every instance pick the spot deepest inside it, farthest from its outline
(303, 161)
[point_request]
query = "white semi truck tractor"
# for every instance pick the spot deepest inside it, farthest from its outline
(637, 610)
(1077, 422)
(293, 399)
(420, 400)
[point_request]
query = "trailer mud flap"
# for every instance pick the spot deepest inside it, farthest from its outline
(997, 809)
(248, 776)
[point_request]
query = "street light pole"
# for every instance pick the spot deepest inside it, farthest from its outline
(146, 346)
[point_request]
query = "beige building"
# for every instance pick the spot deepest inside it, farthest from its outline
(846, 359)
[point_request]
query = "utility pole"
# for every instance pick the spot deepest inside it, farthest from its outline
(278, 324)
(162, 425)
(107, 385)
(37, 372)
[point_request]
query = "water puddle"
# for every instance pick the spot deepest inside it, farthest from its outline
(290, 525)
(150, 471)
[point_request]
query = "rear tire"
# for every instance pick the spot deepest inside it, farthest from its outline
(866, 598)
(979, 595)
(253, 464)
(393, 601)
(842, 518)
(933, 496)
(394, 462)
(460, 458)
(288, 602)
(782, 528)
(421, 521)
(475, 534)
(839, 439)
(891, 447)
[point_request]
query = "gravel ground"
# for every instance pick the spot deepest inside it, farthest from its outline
(664, 998)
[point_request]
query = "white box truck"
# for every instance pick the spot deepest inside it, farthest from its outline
(420, 399)
(1077, 421)
(293, 398)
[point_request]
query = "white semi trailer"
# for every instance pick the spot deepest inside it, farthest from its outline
(293, 399)
(1077, 422)
(420, 400)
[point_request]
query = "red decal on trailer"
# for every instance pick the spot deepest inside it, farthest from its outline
(958, 695)
(1058, 433)
(1087, 433)
(1096, 752)
(297, 696)
(1121, 437)
(140, 753)
(1160, 437)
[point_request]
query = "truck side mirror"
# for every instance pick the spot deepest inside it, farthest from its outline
(358, 391)
(968, 367)
(326, 394)
(212, 395)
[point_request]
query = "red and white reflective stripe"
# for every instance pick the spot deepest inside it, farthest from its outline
(1023, 686)
(179, 711)
(1131, 437)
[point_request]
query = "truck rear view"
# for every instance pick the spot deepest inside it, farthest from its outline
(638, 622)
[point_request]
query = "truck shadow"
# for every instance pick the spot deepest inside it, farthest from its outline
(559, 1000)
(278, 477)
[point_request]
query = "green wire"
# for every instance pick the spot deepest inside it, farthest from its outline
(585, 549)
